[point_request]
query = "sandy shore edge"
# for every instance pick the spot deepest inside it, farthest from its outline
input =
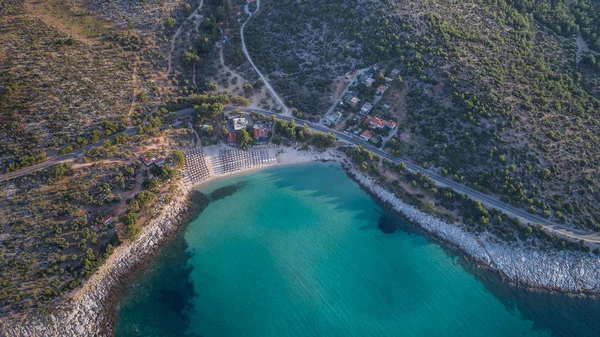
(88, 311)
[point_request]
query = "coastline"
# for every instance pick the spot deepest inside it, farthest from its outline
(565, 272)
(89, 311)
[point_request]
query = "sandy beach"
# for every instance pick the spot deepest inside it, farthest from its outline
(88, 312)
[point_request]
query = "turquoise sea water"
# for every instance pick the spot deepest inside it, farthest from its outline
(297, 251)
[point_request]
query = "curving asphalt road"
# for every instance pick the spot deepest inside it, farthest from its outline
(487, 200)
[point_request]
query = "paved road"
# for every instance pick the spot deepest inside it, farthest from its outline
(276, 97)
(71, 156)
(487, 200)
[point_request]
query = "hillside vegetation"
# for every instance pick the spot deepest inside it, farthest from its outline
(494, 94)
(68, 78)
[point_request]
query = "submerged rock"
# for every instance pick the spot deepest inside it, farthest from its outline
(386, 225)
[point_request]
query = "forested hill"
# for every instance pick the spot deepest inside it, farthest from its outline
(498, 94)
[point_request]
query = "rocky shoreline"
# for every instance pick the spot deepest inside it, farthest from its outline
(560, 271)
(89, 311)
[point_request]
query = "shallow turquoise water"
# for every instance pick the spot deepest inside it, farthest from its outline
(296, 251)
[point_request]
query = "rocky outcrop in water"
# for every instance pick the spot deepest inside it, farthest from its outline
(563, 271)
(86, 314)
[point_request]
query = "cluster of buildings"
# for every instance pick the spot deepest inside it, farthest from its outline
(373, 123)
(260, 131)
(351, 98)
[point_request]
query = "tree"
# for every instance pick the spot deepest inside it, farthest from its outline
(145, 198)
(206, 109)
(171, 22)
(243, 138)
(190, 57)
(178, 158)
(96, 134)
(221, 13)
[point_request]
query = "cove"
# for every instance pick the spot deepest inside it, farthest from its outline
(300, 251)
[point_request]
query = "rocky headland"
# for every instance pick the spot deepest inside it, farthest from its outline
(87, 311)
(561, 271)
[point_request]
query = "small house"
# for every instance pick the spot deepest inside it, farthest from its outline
(390, 124)
(147, 161)
(261, 132)
(354, 101)
(366, 135)
(369, 81)
(333, 117)
(239, 123)
(381, 89)
(107, 220)
(375, 122)
(349, 96)
(366, 108)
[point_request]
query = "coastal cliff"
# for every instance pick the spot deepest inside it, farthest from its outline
(562, 271)
(85, 313)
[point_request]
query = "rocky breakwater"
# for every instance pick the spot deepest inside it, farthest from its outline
(87, 312)
(563, 271)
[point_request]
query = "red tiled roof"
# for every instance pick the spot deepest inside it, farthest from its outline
(375, 121)
(366, 134)
(231, 137)
(382, 87)
(261, 131)
(147, 161)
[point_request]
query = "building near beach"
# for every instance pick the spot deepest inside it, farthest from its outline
(261, 132)
(239, 123)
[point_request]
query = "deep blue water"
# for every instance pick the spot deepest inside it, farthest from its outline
(298, 251)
